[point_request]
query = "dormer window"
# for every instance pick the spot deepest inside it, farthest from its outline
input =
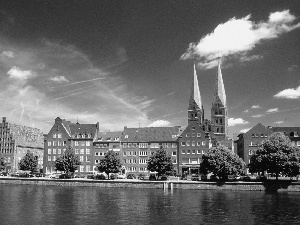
(83, 136)
(78, 136)
(89, 136)
(126, 136)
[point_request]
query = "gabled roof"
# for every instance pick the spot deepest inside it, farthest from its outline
(110, 136)
(195, 94)
(150, 134)
(83, 129)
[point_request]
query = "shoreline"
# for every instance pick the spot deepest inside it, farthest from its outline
(280, 186)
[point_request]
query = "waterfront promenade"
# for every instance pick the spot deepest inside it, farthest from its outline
(270, 185)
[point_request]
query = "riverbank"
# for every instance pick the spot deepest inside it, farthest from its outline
(132, 183)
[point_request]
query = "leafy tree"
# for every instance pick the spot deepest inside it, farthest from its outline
(160, 162)
(276, 155)
(2, 163)
(68, 162)
(111, 163)
(222, 162)
(29, 162)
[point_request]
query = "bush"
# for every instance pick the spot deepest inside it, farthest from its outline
(100, 177)
(131, 176)
(141, 176)
(113, 176)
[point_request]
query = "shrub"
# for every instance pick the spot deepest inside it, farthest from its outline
(113, 176)
(100, 177)
(131, 176)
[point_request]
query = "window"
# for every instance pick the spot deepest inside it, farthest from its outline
(193, 151)
(124, 145)
(296, 134)
(82, 151)
(183, 143)
(174, 153)
(203, 152)
(198, 151)
(188, 152)
(124, 153)
(76, 143)
(198, 134)
(129, 145)
(253, 135)
(65, 143)
(203, 143)
(82, 143)
(49, 158)
(262, 135)
(54, 151)
(143, 145)
(58, 135)
(134, 153)
(182, 151)
(130, 153)
(97, 161)
(298, 143)
(81, 168)
(174, 145)
(58, 143)
(88, 151)
(187, 143)
(49, 143)
(154, 145)
(143, 161)
(54, 135)
(81, 158)
(124, 160)
(87, 143)
(87, 168)
(143, 153)
(198, 143)
(96, 153)
(193, 128)
(175, 161)
(88, 158)
(54, 158)
(49, 151)
(54, 143)
(193, 135)
(59, 151)
(126, 136)
(76, 151)
(193, 143)
(134, 145)
(188, 135)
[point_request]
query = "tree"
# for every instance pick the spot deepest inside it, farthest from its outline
(276, 155)
(222, 162)
(68, 162)
(160, 162)
(2, 163)
(29, 162)
(111, 163)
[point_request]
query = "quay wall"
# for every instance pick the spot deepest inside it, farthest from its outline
(195, 185)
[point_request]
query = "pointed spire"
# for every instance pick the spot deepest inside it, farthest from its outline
(195, 94)
(219, 88)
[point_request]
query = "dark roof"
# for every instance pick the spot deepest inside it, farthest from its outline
(86, 129)
(285, 129)
(110, 136)
(150, 134)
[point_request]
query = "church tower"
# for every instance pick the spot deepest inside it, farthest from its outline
(195, 110)
(219, 113)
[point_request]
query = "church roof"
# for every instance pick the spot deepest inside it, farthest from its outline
(195, 94)
(219, 88)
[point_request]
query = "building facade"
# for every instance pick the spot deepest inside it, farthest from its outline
(17, 140)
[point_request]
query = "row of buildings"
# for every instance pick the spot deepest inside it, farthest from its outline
(186, 145)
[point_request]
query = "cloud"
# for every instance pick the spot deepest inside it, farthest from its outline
(279, 122)
(17, 73)
(246, 111)
(239, 36)
(160, 123)
(250, 58)
(8, 54)
(245, 130)
(256, 107)
(238, 121)
(289, 93)
(59, 79)
(293, 68)
(258, 115)
(272, 110)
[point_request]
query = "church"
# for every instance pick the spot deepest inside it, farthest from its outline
(201, 134)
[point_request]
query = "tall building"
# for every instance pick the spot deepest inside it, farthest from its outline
(219, 111)
(79, 136)
(17, 140)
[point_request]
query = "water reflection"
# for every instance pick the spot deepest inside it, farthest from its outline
(93, 205)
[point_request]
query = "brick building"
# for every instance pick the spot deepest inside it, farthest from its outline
(64, 134)
(17, 140)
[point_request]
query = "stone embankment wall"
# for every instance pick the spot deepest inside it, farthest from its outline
(195, 185)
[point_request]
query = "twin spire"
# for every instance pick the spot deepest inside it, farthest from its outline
(195, 95)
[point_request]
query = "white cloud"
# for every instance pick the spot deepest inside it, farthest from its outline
(245, 130)
(256, 107)
(272, 110)
(160, 123)
(8, 54)
(279, 122)
(237, 121)
(250, 58)
(293, 68)
(258, 115)
(246, 111)
(289, 93)
(238, 36)
(17, 73)
(59, 79)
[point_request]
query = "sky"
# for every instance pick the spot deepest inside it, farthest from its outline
(130, 63)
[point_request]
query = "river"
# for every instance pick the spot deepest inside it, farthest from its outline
(30, 204)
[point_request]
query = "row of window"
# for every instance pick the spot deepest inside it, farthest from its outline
(7, 151)
(193, 143)
(192, 152)
(56, 151)
(261, 135)
(77, 136)
(152, 145)
(193, 135)
(57, 143)
(82, 143)
(81, 158)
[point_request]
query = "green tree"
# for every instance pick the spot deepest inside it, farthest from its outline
(276, 155)
(160, 162)
(222, 162)
(29, 162)
(68, 162)
(111, 163)
(2, 163)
